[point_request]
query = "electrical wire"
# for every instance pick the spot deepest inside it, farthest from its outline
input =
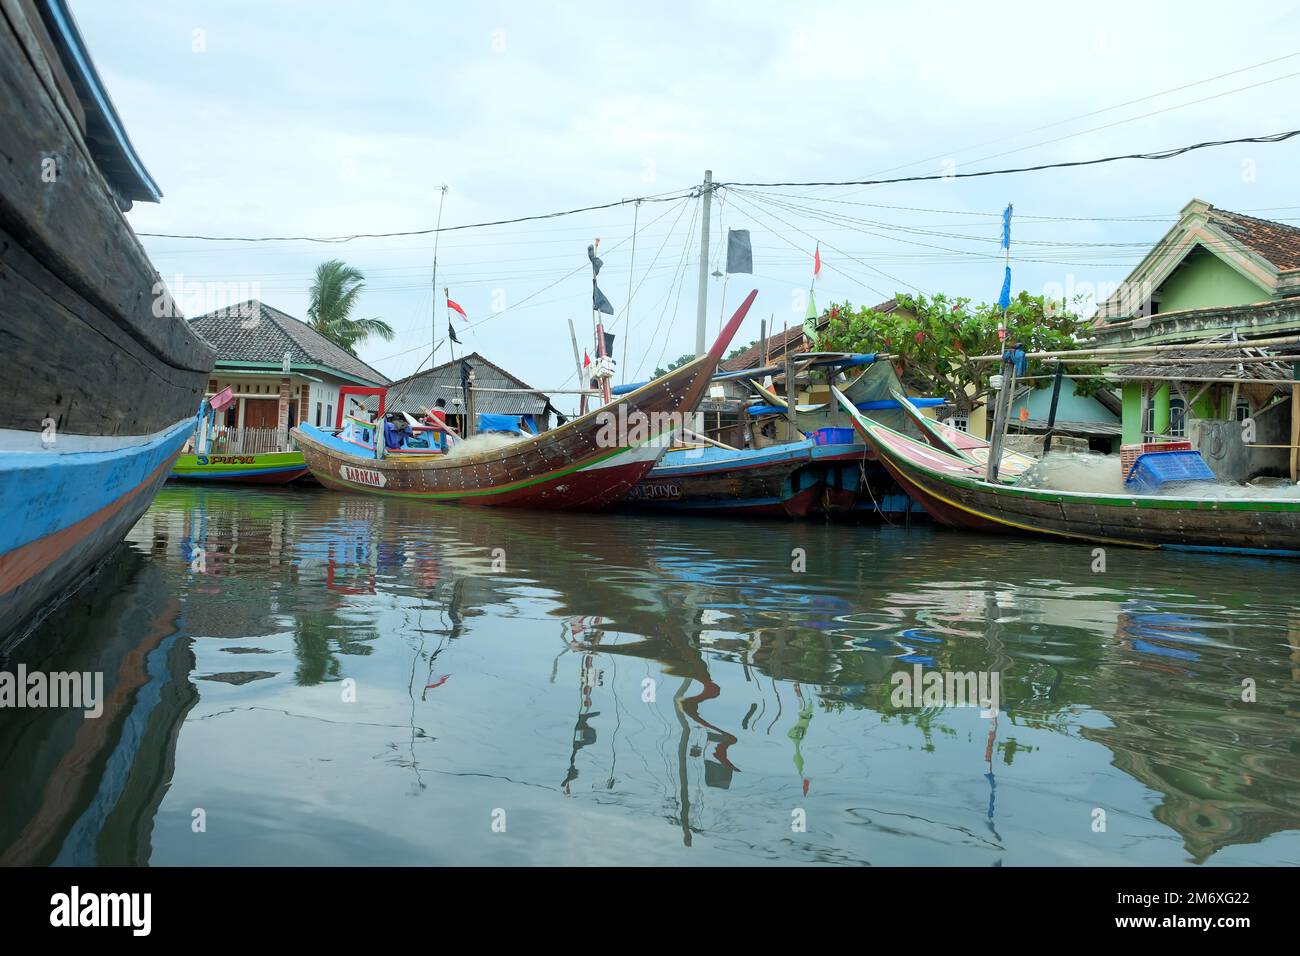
(1157, 155)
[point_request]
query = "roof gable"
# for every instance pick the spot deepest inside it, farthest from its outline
(419, 391)
(254, 332)
(1266, 253)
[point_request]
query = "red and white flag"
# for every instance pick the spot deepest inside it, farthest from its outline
(817, 262)
(586, 360)
(453, 306)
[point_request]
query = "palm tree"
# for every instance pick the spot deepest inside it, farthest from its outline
(333, 295)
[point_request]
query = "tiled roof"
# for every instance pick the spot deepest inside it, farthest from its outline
(255, 332)
(1277, 242)
(781, 342)
(417, 392)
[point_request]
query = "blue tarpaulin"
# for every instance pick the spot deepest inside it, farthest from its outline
(488, 422)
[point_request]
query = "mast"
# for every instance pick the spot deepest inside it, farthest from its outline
(433, 319)
(703, 303)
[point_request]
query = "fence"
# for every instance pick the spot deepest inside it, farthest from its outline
(248, 441)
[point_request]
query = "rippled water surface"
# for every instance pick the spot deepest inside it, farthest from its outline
(305, 677)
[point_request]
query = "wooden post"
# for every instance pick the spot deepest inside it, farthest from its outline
(1000, 412)
(1295, 430)
(577, 360)
(1051, 412)
(791, 397)
(470, 418)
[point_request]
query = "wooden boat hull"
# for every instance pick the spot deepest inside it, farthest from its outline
(589, 463)
(50, 542)
(274, 468)
(756, 482)
(952, 491)
(98, 386)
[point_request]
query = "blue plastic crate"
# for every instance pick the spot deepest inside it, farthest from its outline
(834, 436)
(1154, 470)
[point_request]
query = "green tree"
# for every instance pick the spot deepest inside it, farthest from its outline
(934, 338)
(333, 296)
(676, 363)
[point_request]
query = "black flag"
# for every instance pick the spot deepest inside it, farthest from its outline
(596, 261)
(740, 257)
(451, 333)
(598, 300)
(609, 345)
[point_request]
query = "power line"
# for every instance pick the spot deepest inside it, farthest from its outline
(1160, 154)
(694, 191)
(663, 197)
(1098, 112)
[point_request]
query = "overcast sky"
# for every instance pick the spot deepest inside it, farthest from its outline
(320, 118)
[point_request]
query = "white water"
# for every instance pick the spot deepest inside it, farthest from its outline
(1100, 474)
(489, 442)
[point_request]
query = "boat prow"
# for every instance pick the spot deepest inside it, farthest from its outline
(589, 463)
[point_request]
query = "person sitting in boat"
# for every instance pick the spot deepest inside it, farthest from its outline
(438, 414)
(396, 431)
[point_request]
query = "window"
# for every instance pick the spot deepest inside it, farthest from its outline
(1177, 418)
(1242, 411)
(959, 422)
(318, 414)
(329, 416)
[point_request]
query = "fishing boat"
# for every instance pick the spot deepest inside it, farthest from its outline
(213, 459)
(591, 462)
(955, 493)
(100, 378)
(963, 444)
(752, 482)
(273, 468)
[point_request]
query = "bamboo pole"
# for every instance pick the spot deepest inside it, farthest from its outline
(690, 433)
(1143, 349)
(1196, 378)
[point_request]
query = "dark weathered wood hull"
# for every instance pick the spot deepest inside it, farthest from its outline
(97, 371)
(589, 463)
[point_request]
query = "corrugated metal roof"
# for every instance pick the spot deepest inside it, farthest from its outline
(418, 392)
(255, 332)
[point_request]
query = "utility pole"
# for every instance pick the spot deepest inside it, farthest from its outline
(707, 193)
(433, 319)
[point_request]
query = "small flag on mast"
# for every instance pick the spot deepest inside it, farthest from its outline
(454, 307)
(1004, 300)
(451, 333)
(810, 320)
(817, 261)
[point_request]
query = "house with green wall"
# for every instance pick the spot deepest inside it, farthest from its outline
(1216, 276)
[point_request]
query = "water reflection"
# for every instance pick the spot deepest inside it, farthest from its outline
(343, 679)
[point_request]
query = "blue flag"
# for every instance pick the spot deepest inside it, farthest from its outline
(1004, 300)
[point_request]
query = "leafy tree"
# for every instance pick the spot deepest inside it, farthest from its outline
(334, 294)
(739, 349)
(934, 338)
(676, 363)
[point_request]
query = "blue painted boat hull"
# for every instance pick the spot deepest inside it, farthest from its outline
(66, 510)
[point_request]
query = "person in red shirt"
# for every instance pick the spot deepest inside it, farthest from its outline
(438, 414)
